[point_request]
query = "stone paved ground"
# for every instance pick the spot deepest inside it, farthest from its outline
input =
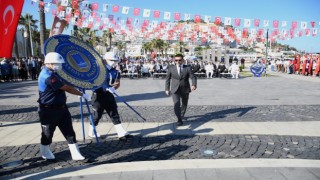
(164, 148)
(283, 103)
(23, 113)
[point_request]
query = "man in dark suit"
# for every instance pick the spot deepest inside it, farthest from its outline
(178, 77)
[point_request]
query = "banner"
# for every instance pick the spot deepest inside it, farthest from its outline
(57, 26)
(10, 11)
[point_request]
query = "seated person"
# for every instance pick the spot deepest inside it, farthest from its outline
(235, 70)
(221, 69)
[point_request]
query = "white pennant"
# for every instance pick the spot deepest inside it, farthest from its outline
(167, 15)
(125, 10)
(207, 19)
(284, 23)
(303, 25)
(146, 13)
(64, 2)
(227, 21)
(104, 7)
(187, 17)
(247, 22)
(265, 23)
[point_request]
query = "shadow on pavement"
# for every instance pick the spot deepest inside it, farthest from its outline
(143, 96)
(108, 151)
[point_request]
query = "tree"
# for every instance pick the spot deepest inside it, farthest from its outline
(27, 21)
(107, 36)
(146, 47)
(43, 36)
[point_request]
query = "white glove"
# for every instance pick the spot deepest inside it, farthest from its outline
(85, 96)
(111, 90)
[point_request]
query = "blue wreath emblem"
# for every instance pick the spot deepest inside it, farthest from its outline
(257, 69)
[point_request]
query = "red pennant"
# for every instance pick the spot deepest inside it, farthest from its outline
(256, 22)
(312, 24)
(307, 32)
(115, 8)
(203, 39)
(54, 12)
(217, 20)
(129, 21)
(196, 28)
(245, 32)
(260, 32)
(156, 14)
(197, 18)
(60, 8)
(300, 33)
(76, 12)
(41, 4)
(75, 4)
(9, 17)
(54, 1)
(145, 23)
(79, 22)
(94, 6)
(275, 24)
(237, 21)
(162, 25)
(136, 11)
(94, 14)
(294, 24)
(177, 16)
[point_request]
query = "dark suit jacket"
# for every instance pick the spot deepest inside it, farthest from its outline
(182, 81)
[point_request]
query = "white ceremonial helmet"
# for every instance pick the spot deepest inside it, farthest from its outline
(54, 58)
(110, 56)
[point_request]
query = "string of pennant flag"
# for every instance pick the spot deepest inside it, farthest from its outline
(167, 25)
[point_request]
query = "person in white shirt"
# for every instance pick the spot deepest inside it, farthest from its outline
(235, 70)
(209, 69)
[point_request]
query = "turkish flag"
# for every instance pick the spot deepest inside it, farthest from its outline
(275, 24)
(156, 14)
(197, 18)
(298, 64)
(237, 21)
(177, 16)
(310, 65)
(94, 6)
(318, 66)
(136, 11)
(294, 24)
(115, 8)
(10, 11)
(245, 32)
(217, 20)
(256, 22)
(75, 4)
(312, 24)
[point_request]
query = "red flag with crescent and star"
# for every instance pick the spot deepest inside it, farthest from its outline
(10, 11)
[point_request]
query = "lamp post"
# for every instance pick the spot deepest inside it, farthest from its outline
(30, 37)
(266, 62)
(25, 35)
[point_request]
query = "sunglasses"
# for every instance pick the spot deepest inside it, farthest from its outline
(178, 59)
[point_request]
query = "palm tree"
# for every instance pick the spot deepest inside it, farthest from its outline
(165, 47)
(156, 45)
(146, 47)
(27, 21)
(43, 36)
(107, 36)
(181, 46)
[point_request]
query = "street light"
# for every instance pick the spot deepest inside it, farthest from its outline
(30, 37)
(25, 35)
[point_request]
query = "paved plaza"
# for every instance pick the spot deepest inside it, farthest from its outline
(247, 128)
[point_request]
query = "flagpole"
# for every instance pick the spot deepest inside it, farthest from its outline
(266, 62)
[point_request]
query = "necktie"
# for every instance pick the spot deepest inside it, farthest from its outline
(180, 70)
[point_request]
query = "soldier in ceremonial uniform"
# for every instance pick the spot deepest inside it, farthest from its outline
(103, 98)
(53, 111)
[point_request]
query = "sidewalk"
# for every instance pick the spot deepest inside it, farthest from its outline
(252, 128)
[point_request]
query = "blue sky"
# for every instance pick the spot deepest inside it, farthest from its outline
(282, 10)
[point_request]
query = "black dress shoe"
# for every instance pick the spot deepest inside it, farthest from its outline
(179, 123)
(124, 138)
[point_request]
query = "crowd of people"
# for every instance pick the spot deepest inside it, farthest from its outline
(306, 67)
(19, 69)
(147, 68)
